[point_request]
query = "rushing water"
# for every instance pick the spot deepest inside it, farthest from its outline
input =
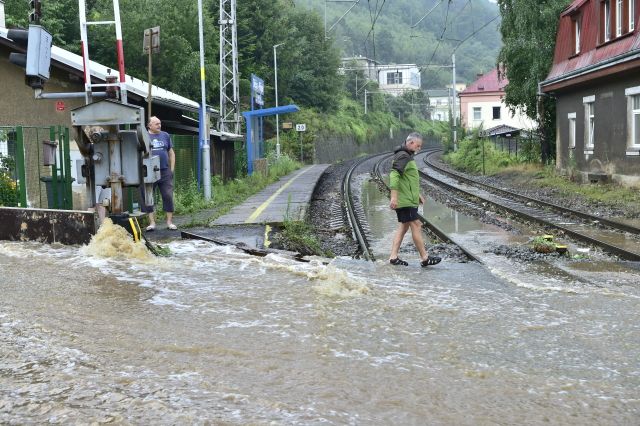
(211, 335)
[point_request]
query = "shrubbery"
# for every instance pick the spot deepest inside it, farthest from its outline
(9, 195)
(479, 156)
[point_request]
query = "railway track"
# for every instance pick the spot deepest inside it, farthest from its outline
(354, 212)
(614, 237)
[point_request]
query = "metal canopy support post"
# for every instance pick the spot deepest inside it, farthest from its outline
(229, 88)
(258, 113)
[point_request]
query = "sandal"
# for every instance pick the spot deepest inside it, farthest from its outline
(150, 228)
(172, 227)
(398, 262)
(431, 260)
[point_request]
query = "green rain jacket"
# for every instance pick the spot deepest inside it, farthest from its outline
(404, 178)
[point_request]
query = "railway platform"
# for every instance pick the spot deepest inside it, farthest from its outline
(289, 197)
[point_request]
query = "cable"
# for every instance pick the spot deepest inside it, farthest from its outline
(475, 32)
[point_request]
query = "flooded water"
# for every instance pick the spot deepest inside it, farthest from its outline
(211, 335)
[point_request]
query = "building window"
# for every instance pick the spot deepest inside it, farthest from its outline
(619, 12)
(589, 115)
(496, 113)
(633, 117)
(576, 35)
(394, 78)
(605, 21)
(632, 14)
(635, 121)
(572, 130)
(477, 113)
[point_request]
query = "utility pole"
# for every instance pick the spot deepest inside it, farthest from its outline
(365, 101)
(204, 129)
(453, 109)
(275, 66)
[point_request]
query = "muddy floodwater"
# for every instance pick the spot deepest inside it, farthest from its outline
(210, 335)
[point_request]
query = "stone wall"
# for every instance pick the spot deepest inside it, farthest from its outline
(332, 149)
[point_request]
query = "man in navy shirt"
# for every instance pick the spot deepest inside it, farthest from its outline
(161, 146)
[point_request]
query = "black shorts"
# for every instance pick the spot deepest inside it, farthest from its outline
(407, 214)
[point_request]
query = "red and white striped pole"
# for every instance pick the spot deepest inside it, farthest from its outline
(120, 52)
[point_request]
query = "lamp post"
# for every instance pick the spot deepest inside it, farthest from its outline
(275, 66)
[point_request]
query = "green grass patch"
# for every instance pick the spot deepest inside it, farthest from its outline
(546, 177)
(300, 236)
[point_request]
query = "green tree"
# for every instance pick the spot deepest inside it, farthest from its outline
(529, 36)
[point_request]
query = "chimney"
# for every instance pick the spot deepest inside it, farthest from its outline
(2, 22)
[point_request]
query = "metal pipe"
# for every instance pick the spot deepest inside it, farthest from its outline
(66, 95)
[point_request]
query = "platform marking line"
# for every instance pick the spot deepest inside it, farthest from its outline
(264, 205)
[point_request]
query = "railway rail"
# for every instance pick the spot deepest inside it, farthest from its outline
(614, 237)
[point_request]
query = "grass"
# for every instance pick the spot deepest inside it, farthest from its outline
(546, 177)
(299, 236)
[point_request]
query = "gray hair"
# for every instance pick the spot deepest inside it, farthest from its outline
(413, 136)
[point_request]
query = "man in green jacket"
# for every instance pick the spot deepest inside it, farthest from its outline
(404, 181)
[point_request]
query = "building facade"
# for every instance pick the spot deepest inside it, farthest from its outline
(397, 79)
(595, 79)
(482, 105)
(439, 104)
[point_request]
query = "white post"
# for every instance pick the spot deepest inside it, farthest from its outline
(204, 137)
(365, 101)
(275, 66)
(453, 109)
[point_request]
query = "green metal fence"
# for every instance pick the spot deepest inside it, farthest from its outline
(24, 180)
(186, 148)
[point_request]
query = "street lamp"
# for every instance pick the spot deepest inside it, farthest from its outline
(275, 66)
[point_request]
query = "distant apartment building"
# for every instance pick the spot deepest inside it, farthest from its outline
(439, 104)
(400, 78)
(482, 105)
(393, 79)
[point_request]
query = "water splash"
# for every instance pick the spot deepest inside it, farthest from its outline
(113, 241)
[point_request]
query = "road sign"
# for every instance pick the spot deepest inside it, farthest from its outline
(151, 39)
(301, 127)
(257, 88)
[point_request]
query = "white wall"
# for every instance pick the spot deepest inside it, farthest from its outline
(519, 120)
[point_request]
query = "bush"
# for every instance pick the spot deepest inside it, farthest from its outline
(9, 194)
(479, 156)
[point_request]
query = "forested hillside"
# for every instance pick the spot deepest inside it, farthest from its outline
(400, 36)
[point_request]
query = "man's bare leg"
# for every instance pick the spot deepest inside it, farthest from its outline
(397, 239)
(416, 234)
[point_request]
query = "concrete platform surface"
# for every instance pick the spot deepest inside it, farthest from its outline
(289, 197)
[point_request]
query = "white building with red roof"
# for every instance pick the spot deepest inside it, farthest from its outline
(482, 104)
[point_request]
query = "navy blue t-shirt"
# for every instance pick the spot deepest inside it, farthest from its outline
(160, 146)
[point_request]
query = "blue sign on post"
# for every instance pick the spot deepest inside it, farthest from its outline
(257, 90)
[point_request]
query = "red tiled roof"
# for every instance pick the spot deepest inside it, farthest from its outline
(487, 83)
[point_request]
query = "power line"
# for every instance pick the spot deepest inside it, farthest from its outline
(475, 32)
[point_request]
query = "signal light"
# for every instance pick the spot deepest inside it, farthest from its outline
(36, 41)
